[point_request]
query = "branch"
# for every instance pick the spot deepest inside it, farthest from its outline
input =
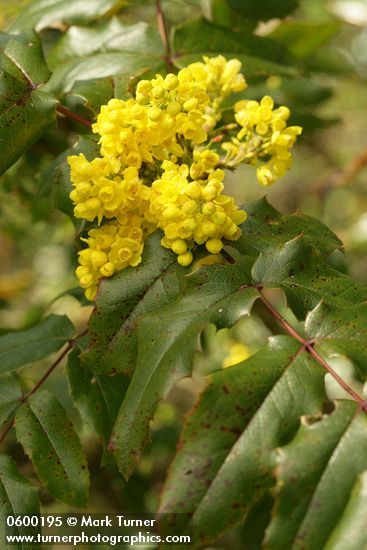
(162, 28)
(280, 318)
(70, 345)
(309, 347)
(73, 116)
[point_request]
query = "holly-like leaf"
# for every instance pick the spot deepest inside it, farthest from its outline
(227, 452)
(98, 66)
(18, 497)
(124, 299)
(143, 315)
(340, 330)
(91, 95)
(259, 56)
(349, 531)
(98, 397)
(245, 438)
(27, 346)
(306, 279)
(49, 439)
(315, 477)
(266, 228)
(40, 14)
(26, 110)
(81, 42)
(111, 49)
(166, 341)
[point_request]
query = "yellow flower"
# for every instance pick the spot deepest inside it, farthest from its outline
(111, 247)
(193, 211)
(158, 169)
(218, 76)
(264, 139)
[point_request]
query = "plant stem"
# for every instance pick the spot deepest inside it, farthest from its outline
(309, 347)
(70, 345)
(73, 116)
(162, 28)
(280, 318)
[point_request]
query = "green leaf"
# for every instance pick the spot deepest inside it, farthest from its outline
(167, 339)
(82, 42)
(302, 38)
(259, 56)
(144, 314)
(340, 330)
(266, 228)
(244, 439)
(40, 14)
(350, 531)
(18, 496)
(125, 298)
(97, 396)
(26, 110)
(110, 49)
(96, 66)
(22, 57)
(315, 477)
(91, 94)
(227, 453)
(263, 10)
(27, 346)
(221, 13)
(10, 395)
(297, 267)
(49, 439)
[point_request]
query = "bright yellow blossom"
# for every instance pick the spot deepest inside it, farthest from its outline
(264, 139)
(111, 247)
(193, 211)
(218, 76)
(160, 167)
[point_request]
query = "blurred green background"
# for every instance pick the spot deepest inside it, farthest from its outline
(328, 181)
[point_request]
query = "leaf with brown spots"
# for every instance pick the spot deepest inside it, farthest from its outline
(50, 441)
(18, 496)
(166, 340)
(26, 110)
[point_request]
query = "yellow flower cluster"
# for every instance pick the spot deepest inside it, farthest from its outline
(146, 128)
(264, 135)
(193, 211)
(218, 77)
(160, 167)
(111, 247)
(103, 191)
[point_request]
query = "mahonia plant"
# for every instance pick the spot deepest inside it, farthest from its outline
(163, 155)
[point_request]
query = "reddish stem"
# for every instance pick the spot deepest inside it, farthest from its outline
(25, 398)
(281, 319)
(73, 116)
(162, 28)
(309, 347)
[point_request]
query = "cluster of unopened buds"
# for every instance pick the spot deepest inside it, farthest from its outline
(162, 162)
